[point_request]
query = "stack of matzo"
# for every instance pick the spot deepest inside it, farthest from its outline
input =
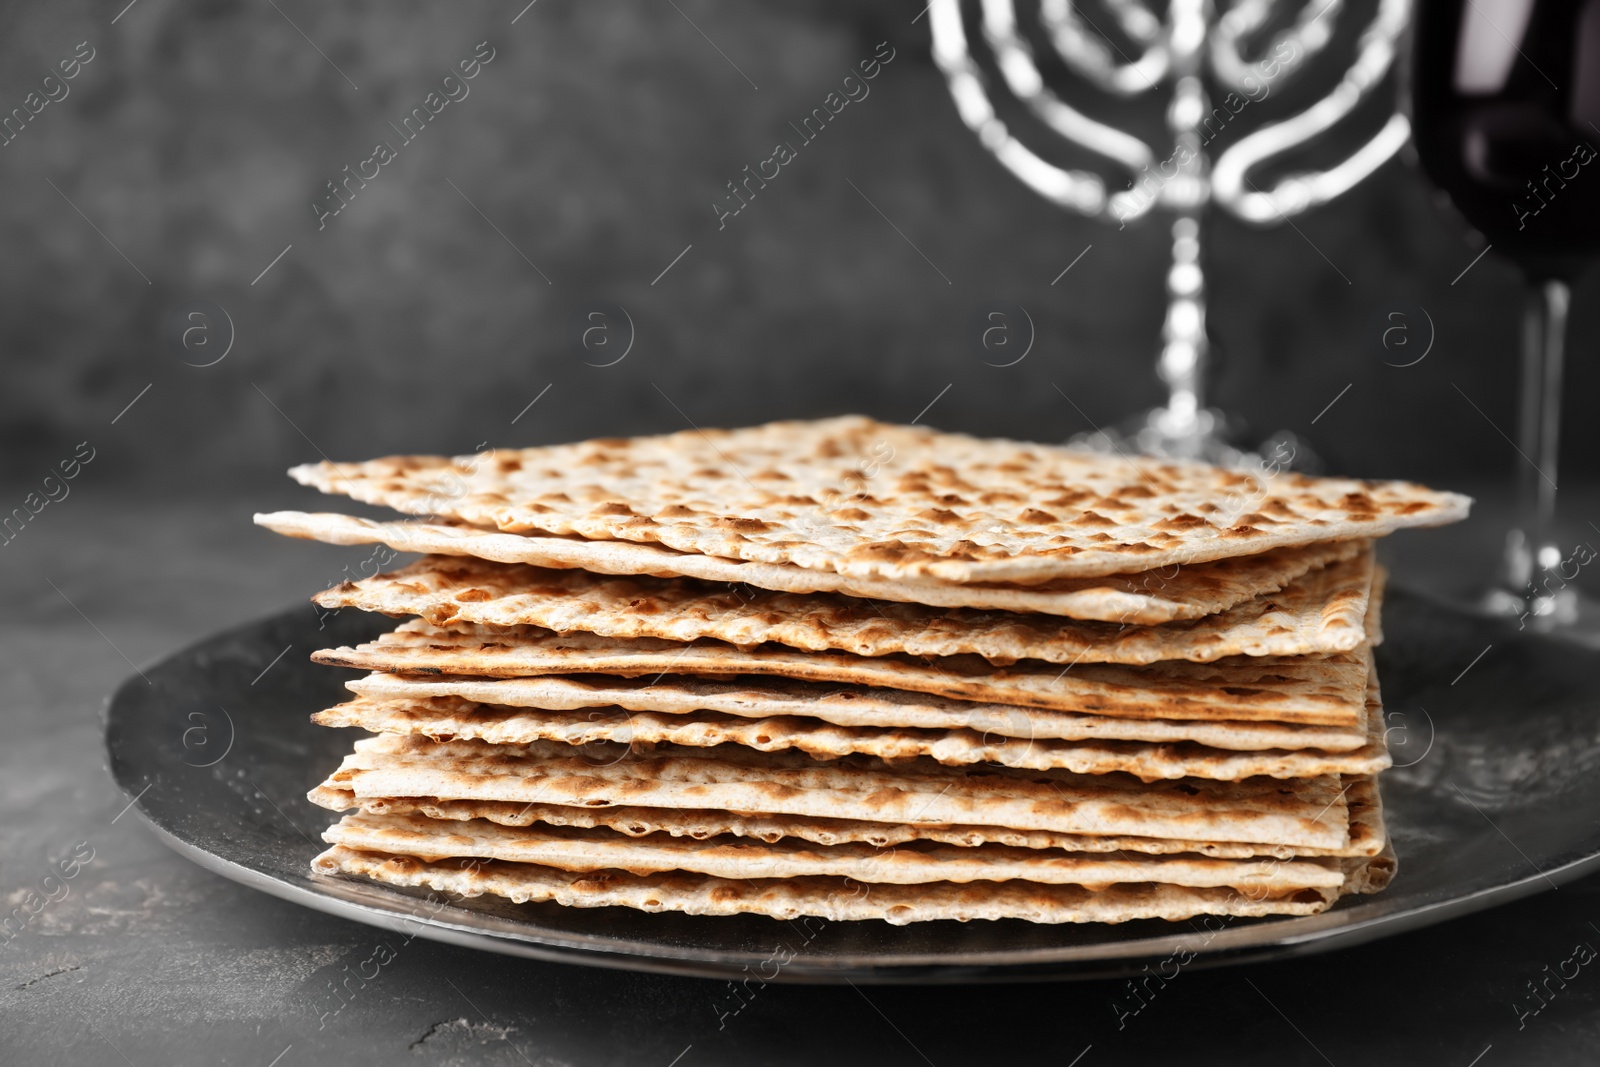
(863, 671)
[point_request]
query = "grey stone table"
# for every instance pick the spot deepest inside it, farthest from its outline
(142, 958)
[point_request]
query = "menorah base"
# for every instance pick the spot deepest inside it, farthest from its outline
(1569, 614)
(1206, 435)
(1533, 591)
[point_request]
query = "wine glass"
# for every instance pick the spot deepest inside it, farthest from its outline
(1505, 104)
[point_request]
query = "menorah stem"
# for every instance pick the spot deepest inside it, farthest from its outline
(1184, 346)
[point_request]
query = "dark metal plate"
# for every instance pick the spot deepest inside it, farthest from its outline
(1496, 736)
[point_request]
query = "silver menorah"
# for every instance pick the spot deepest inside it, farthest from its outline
(1176, 49)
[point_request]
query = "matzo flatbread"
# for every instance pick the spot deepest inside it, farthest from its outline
(1188, 592)
(1366, 828)
(1323, 690)
(1372, 875)
(1369, 834)
(575, 849)
(1320, 612)
(450, 718)
(850, 706)
(1310, 811)
(835, 899)
(1374, 620)
(864, 498)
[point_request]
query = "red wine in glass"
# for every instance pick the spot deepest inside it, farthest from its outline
(1505, 107)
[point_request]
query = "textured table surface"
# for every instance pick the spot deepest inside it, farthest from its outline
(147, 959)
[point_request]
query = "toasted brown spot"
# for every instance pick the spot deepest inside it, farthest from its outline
(740, 524)
(1092, 518)
(1182, 521)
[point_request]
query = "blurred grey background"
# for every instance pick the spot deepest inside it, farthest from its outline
(452, 290)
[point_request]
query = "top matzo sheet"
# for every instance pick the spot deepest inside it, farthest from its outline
(864, 498)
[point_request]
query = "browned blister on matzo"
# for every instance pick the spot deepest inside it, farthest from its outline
(1148, 597)
(866, 498)
(1321, 612)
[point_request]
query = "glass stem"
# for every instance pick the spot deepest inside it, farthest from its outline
(1531, 548)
